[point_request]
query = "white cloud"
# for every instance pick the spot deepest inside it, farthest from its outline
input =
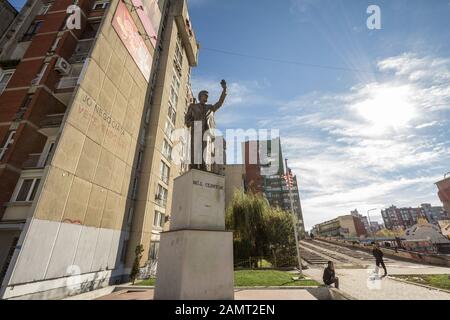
(367, 147)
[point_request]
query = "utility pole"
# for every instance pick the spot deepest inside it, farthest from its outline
(294, 220)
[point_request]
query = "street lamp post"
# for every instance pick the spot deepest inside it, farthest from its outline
(294, 220)
(370, 223)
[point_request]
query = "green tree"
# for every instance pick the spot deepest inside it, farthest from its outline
(281, 239)
(137, 263)
(260, 231)
(246, 217)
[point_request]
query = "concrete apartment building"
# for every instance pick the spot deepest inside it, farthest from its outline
(348, 226)
(404, 218)
(86, 131)
(433, 213)
(7, 15)
(264, 169)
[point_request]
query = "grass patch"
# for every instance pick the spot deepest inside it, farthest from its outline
(258, 278)
(148, 282)
(266, 278)
(440, 281)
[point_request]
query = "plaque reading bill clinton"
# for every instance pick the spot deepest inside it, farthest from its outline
(200, 120)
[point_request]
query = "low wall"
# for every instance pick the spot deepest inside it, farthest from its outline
(442, 260)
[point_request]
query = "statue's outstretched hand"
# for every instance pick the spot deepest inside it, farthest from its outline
(223, 83)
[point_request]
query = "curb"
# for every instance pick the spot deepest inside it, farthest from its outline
(418, 284)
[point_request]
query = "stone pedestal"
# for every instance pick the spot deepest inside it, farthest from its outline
(196, 256)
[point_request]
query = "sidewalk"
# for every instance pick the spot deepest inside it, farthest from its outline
(356, 283)
(240, 294)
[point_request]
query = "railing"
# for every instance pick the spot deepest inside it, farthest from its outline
(2, 152)
(78, 58)
(32, 161)
(3, 87)
(52, 120)
(67, 82)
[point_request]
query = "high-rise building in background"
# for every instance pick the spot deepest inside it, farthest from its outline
(433, 213)
(364, 220)
(7, 15)
(87, 117)
(401, 218)
(264, 169)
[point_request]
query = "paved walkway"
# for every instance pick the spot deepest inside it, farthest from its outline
(240, 294)
(356, 283)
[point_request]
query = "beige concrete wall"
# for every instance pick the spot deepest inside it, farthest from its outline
(142, 229)
(81, 208)
(348, 223)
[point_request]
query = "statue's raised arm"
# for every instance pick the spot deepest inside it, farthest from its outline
(219, 103)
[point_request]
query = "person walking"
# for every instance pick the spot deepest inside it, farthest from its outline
(329, 276)
(378, 254)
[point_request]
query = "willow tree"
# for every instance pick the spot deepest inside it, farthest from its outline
(259, 230)
(281, 240)
(247, 216)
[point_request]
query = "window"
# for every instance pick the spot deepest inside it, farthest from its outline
(32, 30)
(8, 141)
(91, 29)
(130, 215)
(174, 89)
(178, 58)
(159, 219)
(161, 195)
(167, 150)
(27, 190)
(44, 9)
(5, 76)
(135, 187)
(168, 129)
(100, 5)
(154, 250)
(48, 153)
(172, 114)
(164, 172)
(139, 160)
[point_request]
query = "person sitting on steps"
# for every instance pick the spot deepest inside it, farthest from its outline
(329, 276)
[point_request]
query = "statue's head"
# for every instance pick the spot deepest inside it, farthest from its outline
(203, 96)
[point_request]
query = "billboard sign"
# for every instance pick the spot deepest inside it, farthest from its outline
(128, 32)
(150, 16)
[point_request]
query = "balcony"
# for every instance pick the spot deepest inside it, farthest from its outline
(52, 120)
(33, 161)
(50, 125)
(180, 11)
(67, 83)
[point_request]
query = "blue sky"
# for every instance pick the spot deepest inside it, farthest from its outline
(363, 114)
(371, 135)
(17, 3)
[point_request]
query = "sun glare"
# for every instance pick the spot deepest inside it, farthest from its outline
(387, 108)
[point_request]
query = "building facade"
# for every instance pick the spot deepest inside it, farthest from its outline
(264, 170)
(347, 226)
(404, 218)
(7, 15)
(444, 193)
(433, 213)
(86, 123)
(364, 220)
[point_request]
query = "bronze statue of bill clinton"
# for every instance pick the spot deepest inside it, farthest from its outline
(200, 120)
